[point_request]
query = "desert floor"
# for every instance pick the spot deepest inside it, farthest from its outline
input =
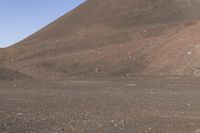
(143, 105)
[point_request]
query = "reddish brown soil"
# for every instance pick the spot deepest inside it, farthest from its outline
(112, 38)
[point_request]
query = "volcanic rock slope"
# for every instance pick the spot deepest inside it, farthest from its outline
(107, 38)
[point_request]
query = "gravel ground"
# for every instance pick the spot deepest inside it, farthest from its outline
(156, 105)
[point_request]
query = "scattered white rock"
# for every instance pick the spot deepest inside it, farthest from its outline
(189, 53)
(150, 128)
(129, 75)
(20, 114)
(188, 104)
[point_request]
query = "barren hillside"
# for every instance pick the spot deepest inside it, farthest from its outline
(103, 38)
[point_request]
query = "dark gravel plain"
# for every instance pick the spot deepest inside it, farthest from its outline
(143, 105)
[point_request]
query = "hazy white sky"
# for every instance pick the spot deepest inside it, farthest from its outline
(20, 18)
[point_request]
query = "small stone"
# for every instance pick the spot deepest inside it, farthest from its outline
(98, 70)
(150, 128)
(15, 85)
(19, 114)
(188, 104)
(129, 75)
(189, 53)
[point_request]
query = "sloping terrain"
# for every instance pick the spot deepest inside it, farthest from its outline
(114, 38)
(10, 75)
